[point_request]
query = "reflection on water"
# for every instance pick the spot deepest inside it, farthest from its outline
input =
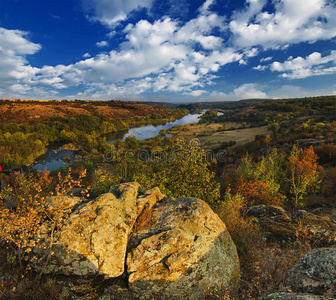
(53, 158)
(150, 131)
(113, 136)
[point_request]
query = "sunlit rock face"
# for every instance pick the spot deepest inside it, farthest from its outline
(184, 251)
(167, 248)
(90, 238)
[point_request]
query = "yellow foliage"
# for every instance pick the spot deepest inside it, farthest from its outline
(23, 208)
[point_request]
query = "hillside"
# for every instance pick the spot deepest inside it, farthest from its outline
(26, 110)
(28, 127)
(267, 170)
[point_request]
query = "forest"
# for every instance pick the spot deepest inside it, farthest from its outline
(293, 167)
(22, 140)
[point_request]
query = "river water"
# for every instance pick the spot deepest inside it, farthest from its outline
(54, 156)
(151, 131)
(53, 159)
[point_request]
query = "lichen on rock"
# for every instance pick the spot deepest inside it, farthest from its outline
(166, 248)
(315, 273)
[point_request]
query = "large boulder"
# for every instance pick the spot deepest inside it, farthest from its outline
(264, 211)
(58, 206)
(282, 227)
(183, 252)
(158, 247)
(315, 273)
(92, 237)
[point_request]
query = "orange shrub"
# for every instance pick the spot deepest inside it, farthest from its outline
(255, 191)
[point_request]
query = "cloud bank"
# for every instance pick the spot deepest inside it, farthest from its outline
(170, 56)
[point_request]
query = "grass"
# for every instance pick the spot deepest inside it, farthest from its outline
(19, 282)
(263, 269)
(211, 138)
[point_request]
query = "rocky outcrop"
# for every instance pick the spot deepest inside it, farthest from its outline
(320, 230)
(166, 248)
(323, 210)
(315, 273)
(275, 221)
(282, 227)
(265, 211)
(185, 247)
(93, 236)
(314, 277)
(58, 206)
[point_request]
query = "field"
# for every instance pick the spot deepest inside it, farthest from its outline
(210, 138)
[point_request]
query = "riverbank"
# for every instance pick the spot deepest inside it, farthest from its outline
(28, 128)
(64, 155)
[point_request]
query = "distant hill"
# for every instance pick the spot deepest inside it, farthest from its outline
(248, 102)
(27, 110)
(256, 100)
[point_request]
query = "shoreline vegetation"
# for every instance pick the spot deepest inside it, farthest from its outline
(274, 187)
(27, 127)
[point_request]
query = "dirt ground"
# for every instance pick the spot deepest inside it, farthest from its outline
(209, 138)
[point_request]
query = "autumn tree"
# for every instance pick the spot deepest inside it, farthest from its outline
(304, 172)
(181, 171)
(259, 182)
(273, 127)
(23, 207)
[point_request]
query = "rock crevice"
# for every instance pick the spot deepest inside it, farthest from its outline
(170, 248)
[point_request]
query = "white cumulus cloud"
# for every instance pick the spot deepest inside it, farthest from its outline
(293, 21)
(158, 57)
(265, 59)
(312, 65)
(172, 56)
(245, 91)
(111, 12)
(15, 72)
(101, 44)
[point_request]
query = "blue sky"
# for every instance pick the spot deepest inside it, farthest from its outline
(172, 50)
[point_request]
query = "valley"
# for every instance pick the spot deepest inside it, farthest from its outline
(270, 179)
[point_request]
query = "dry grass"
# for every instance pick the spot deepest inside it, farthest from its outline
(210, 139)
(263, 265)
(241, 136)
(264, 268)
(17, 282)
(19, 225)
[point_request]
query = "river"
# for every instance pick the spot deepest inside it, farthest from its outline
(54, 156)
(151, 131)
